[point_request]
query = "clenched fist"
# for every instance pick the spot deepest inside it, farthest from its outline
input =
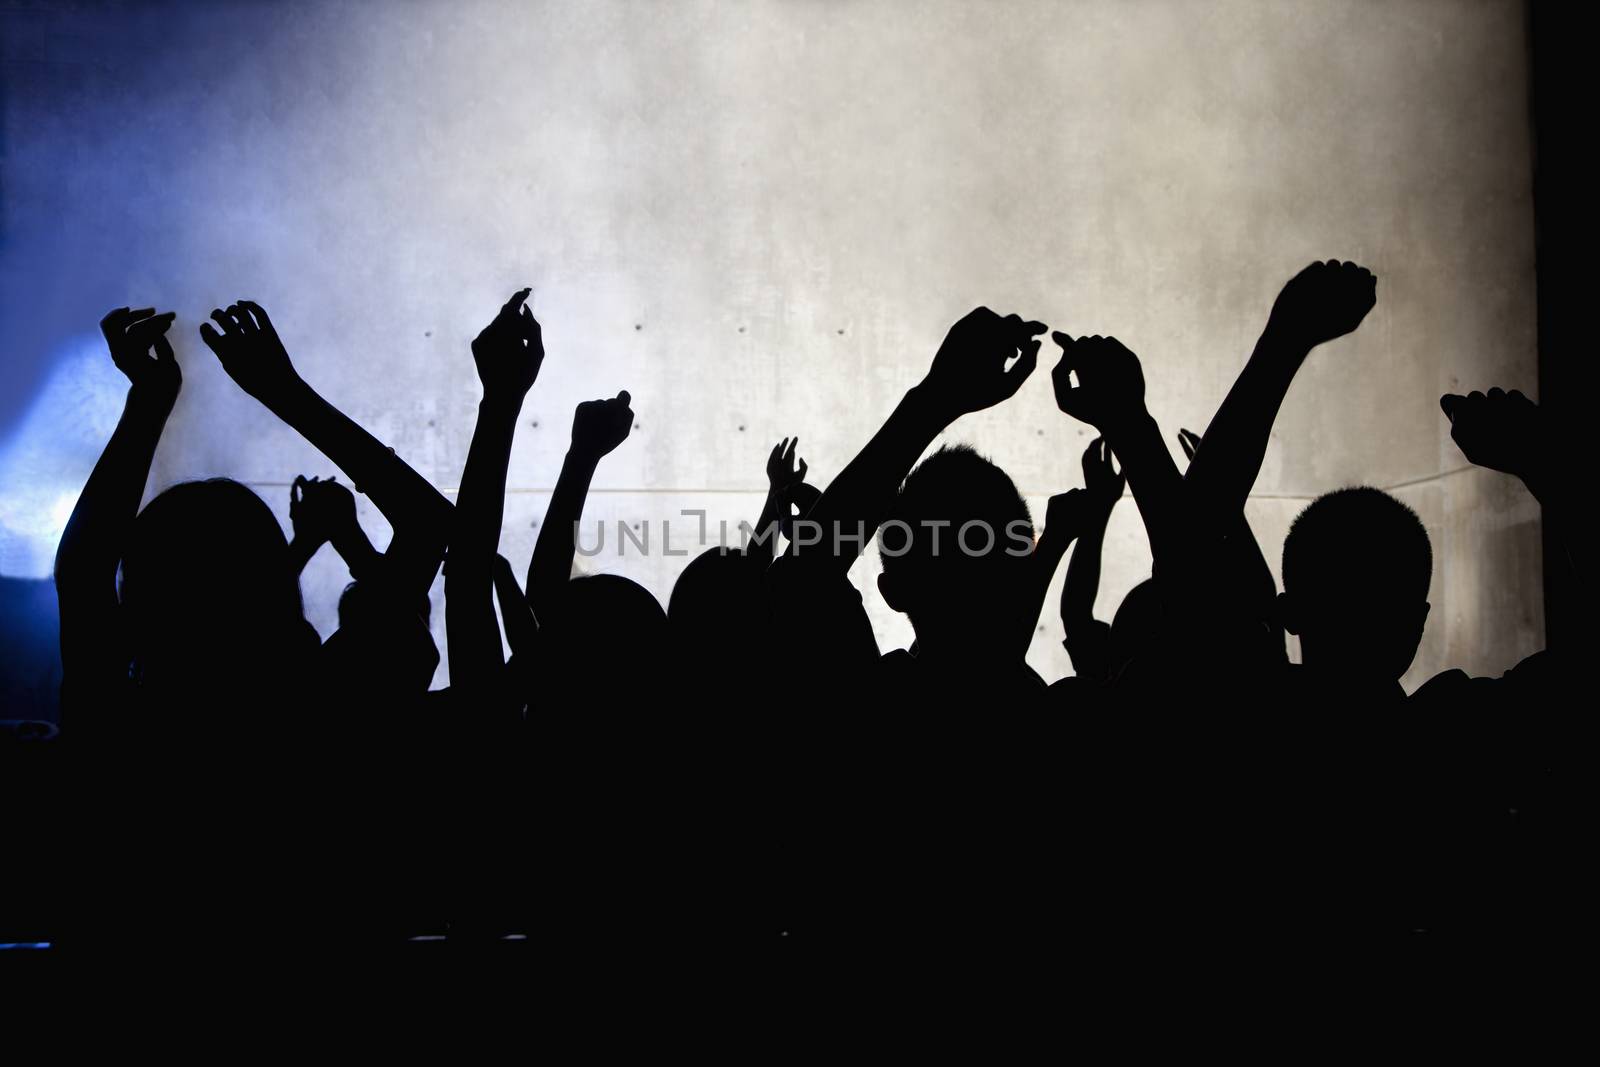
(1499, 430)
(599, 426)
(1324, 301)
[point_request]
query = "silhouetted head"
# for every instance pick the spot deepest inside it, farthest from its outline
(716, 605)
(1356, 568)
(384, 641)
(1137, 626)
(208, 589)
(955, 551)
(608, 632)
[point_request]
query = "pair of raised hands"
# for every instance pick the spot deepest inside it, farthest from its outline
(243, 339)
(321, 511)
(970, 372)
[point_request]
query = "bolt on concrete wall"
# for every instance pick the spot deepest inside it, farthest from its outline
(760, 218)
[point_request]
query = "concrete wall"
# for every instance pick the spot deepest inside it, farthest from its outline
(760, 218)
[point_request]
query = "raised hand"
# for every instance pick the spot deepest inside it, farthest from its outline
(249, 349)
(1499, 430)
(599, 426)
(783, 470)
(1110, 393)
(1324, 301)
(1101, 479)
(510, 350)
(1065, 512)
(1189, 441)
(798, 500)
(969, 370)
(320, 511)
(139, 347)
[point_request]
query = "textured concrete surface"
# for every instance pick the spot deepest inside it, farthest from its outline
(760, 218)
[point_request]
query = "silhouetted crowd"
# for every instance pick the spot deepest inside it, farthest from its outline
(747, 765)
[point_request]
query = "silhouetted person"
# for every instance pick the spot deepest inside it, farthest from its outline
(1356, 569)
(956, 551)
(175, 684)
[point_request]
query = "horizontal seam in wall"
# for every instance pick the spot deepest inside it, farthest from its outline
(640, 491)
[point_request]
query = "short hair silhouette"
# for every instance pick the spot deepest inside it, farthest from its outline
(1356, 568)
(1357, 541)
(945, 493)
(956, 546)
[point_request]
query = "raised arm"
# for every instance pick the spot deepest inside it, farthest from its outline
(968, 374)
(1087, 639)
(785, 471)
(598, 427)
(1322, 302)
(250, 350)
(508, 354)
(1063, 521)
(1110, 397)
(92, 650)
(1509, 433)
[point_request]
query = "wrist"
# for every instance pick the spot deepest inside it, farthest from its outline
(1281, 344)
(1099, 513)
(1135, 423)
(149, 402)
(498, 405)
(292, 393)
(928, 407)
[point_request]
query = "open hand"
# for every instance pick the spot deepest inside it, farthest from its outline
(139, 347)
(249, 349)
(783, 469)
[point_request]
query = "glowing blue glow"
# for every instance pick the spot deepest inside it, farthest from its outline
(50, 452)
